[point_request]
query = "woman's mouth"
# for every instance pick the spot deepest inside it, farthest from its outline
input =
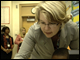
(48, 32)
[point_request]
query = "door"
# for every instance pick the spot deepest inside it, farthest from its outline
(25, 13)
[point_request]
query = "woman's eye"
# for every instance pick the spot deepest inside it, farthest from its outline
(52, 23)
(42, 22)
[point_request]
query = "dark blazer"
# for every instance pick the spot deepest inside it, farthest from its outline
(2, 42)
(4, 55)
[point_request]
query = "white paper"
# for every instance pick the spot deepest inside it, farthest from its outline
(75, 12)
(31, 19)
(5, 15)
(76, 3)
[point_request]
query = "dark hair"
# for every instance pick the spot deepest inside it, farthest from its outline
(4, 28)
(61, 52)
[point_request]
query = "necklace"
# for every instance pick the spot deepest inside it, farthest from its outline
(55, 40)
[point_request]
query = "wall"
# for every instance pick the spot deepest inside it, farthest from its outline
(9, 3)
(67, 4)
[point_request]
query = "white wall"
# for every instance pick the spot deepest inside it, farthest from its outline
(14, 18)
(67, 4)
(8, 3)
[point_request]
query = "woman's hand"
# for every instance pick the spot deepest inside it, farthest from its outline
(7, 50)
(20, 42)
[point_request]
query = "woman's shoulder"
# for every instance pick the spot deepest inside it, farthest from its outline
(71, 24)
(35, 27)
(71, 27)
(2, 35)
(34, 30)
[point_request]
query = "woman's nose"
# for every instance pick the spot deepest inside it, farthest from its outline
(47, 27)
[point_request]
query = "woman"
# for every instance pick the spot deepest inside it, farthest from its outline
(6, 44)
(20, 37)
(52, 31)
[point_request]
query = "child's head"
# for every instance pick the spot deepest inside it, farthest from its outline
(61, 53)
(6, 30)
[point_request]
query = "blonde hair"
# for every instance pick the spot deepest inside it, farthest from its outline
(53, 11)
(21, 34)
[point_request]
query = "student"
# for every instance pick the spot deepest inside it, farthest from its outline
(20, 37)
(61, 53)
(52, 31)
(6, 44)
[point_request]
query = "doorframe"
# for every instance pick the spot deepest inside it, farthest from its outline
(20, 16)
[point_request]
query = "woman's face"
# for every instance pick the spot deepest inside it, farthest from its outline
(23, 31)
(7, 31)
(50, 29)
